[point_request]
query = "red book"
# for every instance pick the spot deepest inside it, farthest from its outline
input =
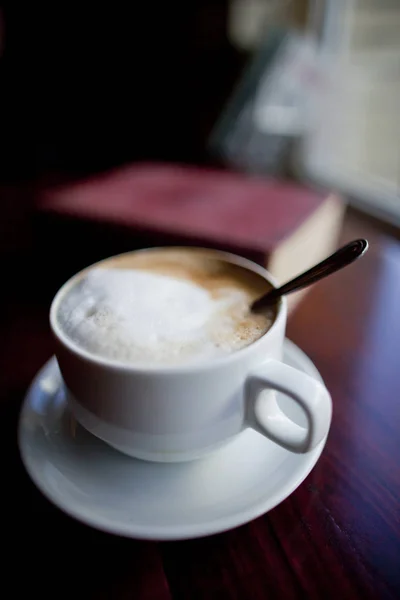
(285, 226)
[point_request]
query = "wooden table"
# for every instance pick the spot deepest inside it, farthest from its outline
(337, 536)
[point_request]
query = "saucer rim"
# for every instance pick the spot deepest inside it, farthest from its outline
(176, 531)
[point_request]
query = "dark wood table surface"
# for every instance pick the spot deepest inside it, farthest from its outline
(337, 536)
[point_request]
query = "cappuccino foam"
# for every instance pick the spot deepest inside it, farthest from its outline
(142, 316)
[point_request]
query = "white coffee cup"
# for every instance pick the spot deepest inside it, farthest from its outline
(178, 413)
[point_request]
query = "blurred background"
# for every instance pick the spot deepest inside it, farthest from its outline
(305, 91)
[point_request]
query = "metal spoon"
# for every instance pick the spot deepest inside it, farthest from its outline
(341, 258)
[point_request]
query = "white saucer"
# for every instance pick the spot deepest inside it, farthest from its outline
(110, 491)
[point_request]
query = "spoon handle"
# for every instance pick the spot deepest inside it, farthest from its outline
(341, 258)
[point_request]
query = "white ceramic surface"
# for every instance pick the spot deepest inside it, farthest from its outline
(178, 413)
(106, 489)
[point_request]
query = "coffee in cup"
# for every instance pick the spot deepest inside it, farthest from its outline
(164, 307)
(162, 359)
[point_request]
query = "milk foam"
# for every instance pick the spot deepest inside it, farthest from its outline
(144, 317)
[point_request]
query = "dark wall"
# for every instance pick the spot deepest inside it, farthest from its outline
(84, 89)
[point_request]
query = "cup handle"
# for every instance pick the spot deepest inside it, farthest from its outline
(263, 414)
